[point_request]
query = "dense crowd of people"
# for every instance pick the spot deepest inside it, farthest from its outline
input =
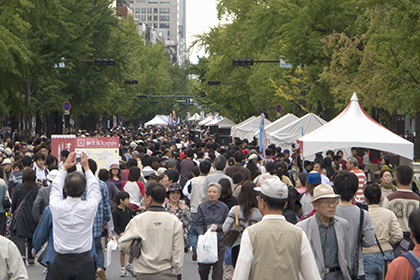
(174, 186)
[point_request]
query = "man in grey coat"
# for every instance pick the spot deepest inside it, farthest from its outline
(327, 235)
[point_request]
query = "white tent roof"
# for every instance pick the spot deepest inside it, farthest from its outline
(222, 123)
(249, 129)
(195, 117)
(288, 135)
(206, 120)
(279, 124)
(354, 128)
(158, 120)
(233, 128)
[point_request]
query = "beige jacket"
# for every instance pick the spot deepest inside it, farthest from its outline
(386, 226)
(162, 241)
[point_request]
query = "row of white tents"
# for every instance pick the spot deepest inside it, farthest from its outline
(352, 128)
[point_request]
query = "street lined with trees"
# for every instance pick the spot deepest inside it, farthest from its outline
(38, 35)
(335, 48)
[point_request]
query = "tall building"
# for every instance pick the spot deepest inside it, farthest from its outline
(167, 19)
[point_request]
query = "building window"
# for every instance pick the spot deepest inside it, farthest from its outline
(155, 18)
(164, 10)
(164, 18)
(168, 33)
(143, 10)
(143, 18)
(137, 10)
(149, 18)
(164, 25)
(153, 2)
(137, 16)
(164, 2)
(155, 10)
(149, 10)
(155, 25)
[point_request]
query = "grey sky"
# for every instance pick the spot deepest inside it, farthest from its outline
(201, 15)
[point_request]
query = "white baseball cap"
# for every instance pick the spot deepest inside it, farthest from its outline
(273, 188)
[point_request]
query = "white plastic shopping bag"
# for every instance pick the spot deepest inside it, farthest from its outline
(112, 246)
(207, 248)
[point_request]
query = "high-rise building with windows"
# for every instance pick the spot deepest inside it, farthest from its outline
(167, 19)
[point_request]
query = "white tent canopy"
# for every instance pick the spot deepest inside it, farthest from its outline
(233, 128)
(195, 117)
(206, 120)
(354, 128)
(288, 135)
(249, 129)
(158, 120)
(222, 123)
(278, 124)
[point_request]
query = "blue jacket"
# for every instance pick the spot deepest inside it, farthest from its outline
(44, 233)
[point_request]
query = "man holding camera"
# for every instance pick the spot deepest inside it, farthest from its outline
(73, 221)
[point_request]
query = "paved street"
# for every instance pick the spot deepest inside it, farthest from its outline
(189, 271)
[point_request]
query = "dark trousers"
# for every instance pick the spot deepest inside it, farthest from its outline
(3, 220)
(74, 267)
(21, 244)
(49, 271)
(204, 269)
(235, 253)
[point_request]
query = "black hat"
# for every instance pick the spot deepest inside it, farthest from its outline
(153, 176)
(175, 187)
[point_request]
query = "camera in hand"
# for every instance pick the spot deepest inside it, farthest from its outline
(78, 157)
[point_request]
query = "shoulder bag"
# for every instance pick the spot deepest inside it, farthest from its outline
(235, 230)
(135, 248)
(386, 262)
(16, 215)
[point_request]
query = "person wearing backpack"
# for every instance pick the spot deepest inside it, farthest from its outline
(407, 266)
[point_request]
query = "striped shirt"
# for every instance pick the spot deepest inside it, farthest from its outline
(362, 183)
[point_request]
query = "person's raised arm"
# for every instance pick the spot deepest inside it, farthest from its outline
(93, 192)
(56, 195)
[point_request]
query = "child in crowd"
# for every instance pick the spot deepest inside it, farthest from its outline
(122, 215)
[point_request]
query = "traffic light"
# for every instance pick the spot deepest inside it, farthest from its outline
(243, 62)
(105, 62)
(214, 83)
(132, 82)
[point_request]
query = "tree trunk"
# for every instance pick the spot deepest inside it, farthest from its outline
(28, 126)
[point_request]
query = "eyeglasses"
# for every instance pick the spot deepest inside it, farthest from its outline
(329, 202)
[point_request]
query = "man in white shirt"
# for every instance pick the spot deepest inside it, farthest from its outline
(274, 243)
(73, 221)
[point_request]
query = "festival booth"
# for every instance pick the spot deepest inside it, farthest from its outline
(355, 128)
(278, 124)
(288, 135)
(222, 123)
(233, 128)
(206, 120)
(195, 117)
(249, 129)
(158, 120)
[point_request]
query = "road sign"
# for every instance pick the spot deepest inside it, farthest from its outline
(66, 106)
(278, 108)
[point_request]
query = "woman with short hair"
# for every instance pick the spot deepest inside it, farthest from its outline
(212, 214)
